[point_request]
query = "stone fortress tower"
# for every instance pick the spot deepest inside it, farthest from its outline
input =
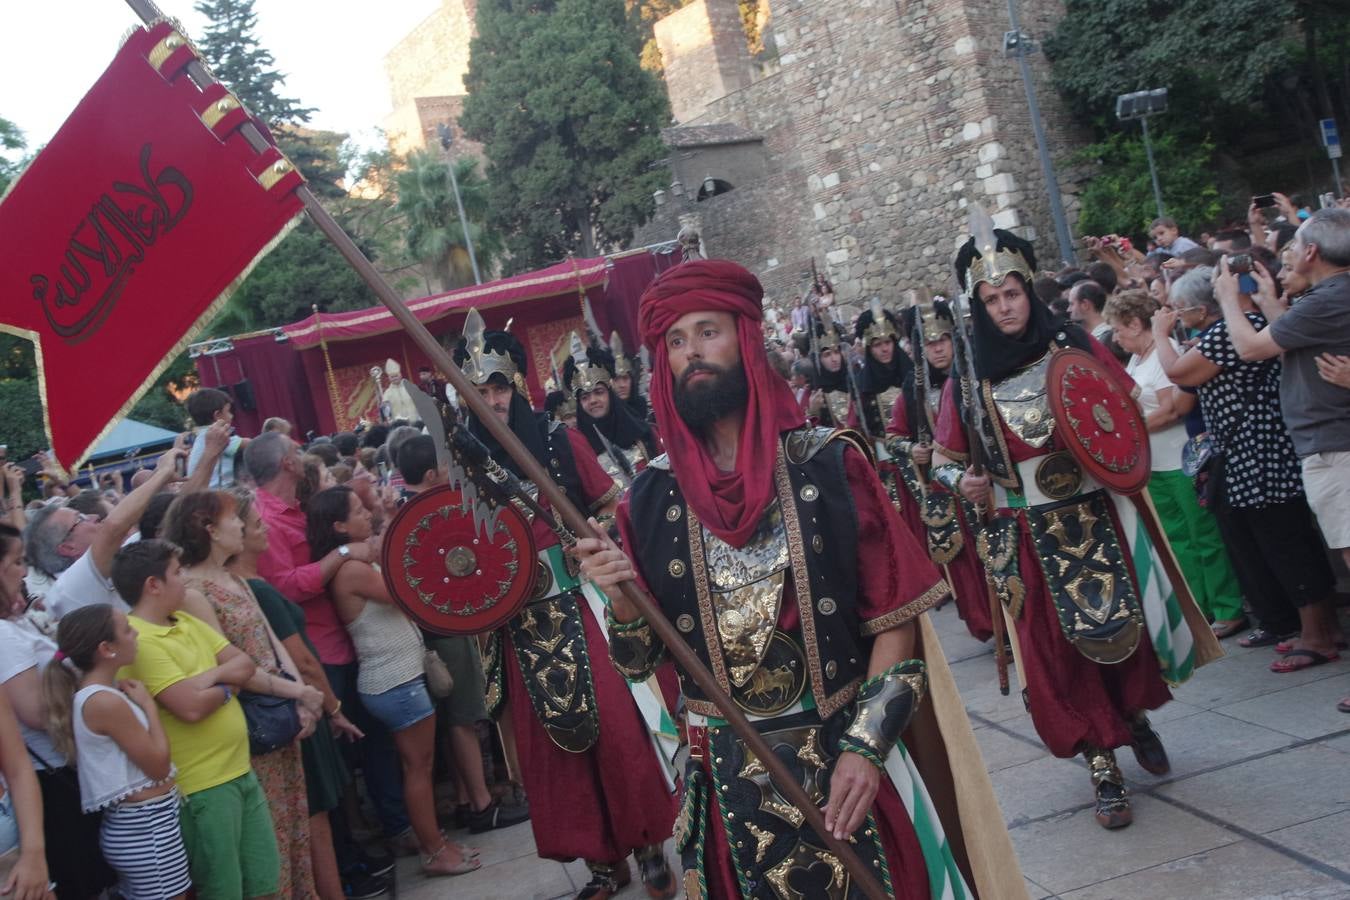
(856, 137)
(426, 73)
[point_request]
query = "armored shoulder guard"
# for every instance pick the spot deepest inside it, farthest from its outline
(803, 444)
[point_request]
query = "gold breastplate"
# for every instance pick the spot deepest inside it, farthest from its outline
(1022, 402)
(886, 404)
(838, 403)
(746, 586)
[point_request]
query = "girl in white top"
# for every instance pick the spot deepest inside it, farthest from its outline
(112, 730)
(390, 679)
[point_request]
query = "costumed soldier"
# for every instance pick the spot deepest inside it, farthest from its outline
(751, 535)
(1097, 629)
(829, 401)
(935, 511)
(622, 442)
(561, 406)
(883, 370)
(627, 381)
(595, 784)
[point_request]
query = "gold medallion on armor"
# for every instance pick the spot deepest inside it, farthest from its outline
(778, 682)
(1058, 476)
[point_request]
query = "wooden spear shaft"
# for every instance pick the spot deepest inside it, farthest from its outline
(783, 780)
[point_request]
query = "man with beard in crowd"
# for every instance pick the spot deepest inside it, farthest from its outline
(622, 442)
(747, 494)
(1054, 539)
(595, 785)
(934, 511)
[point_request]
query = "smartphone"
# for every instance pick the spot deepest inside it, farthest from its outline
(1261, 201)
(1240, 263)
(1327, 200)
(181, 464)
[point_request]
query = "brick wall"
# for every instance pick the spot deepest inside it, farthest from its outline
(882, 121)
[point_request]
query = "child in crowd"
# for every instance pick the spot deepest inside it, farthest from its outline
(194, 673)
(113, 731)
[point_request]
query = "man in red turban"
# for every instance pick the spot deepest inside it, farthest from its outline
(751, 534)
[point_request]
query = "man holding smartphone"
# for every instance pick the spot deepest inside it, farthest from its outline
(1316, 412)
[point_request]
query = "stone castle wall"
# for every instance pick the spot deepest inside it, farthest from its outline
(426, 73)
(881, 123)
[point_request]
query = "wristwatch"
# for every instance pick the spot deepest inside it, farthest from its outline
(344, 551)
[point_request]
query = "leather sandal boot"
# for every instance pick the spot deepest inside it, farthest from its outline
(607, 879)
(1113, 800)
(655, 871)
(1148, 747)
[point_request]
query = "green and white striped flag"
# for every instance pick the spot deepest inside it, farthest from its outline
(944, 878)
(1167, 627)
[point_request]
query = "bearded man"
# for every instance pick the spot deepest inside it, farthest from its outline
(595, 786)
(1086, 608)
(751, 535)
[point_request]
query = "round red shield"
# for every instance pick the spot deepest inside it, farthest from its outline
(1101, 424)
(449, 577)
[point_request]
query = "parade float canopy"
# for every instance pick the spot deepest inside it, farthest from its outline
(286, 371)
(556, 281)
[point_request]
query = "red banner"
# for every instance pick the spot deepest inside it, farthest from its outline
(129, 230)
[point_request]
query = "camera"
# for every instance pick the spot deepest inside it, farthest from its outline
(1261, 201)
(1240, 263)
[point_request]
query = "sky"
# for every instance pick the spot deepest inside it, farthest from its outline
(331, 52)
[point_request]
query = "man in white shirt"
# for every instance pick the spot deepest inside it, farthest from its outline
(77, 550)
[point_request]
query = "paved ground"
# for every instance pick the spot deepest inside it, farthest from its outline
(1257, 804)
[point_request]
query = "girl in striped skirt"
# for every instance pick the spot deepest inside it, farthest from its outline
(112, 730)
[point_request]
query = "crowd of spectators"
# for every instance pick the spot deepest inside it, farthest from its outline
(1240, 348)
(198, 666)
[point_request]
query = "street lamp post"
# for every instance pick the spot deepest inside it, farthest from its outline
(1016, 43)
(1140, 105)
(447, 137)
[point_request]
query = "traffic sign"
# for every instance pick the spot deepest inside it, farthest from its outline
(1331, 138)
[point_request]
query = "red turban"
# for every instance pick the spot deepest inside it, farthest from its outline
(730, 504)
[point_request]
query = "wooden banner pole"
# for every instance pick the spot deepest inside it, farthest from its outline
(684, 656)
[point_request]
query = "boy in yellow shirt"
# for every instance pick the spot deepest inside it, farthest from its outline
(194, 673)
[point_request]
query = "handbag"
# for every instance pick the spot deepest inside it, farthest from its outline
(1195, 453)
(273, 722)
(439, 681)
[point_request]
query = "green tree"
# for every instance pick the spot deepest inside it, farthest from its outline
(303, 271)
(21, 426)
(434, 234)
(570, 123)
(1119, 198)
(238, 61)
(12, 144)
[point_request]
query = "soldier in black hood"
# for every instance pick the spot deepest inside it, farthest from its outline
(622, 441)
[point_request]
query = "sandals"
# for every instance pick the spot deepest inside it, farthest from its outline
(1260, 637)
(466, 864)
(1284, 665)
(1226, 628)
(1286, 646)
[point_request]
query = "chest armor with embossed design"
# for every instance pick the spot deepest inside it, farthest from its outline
(1023, 405)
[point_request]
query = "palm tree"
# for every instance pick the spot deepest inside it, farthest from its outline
(434, 233)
